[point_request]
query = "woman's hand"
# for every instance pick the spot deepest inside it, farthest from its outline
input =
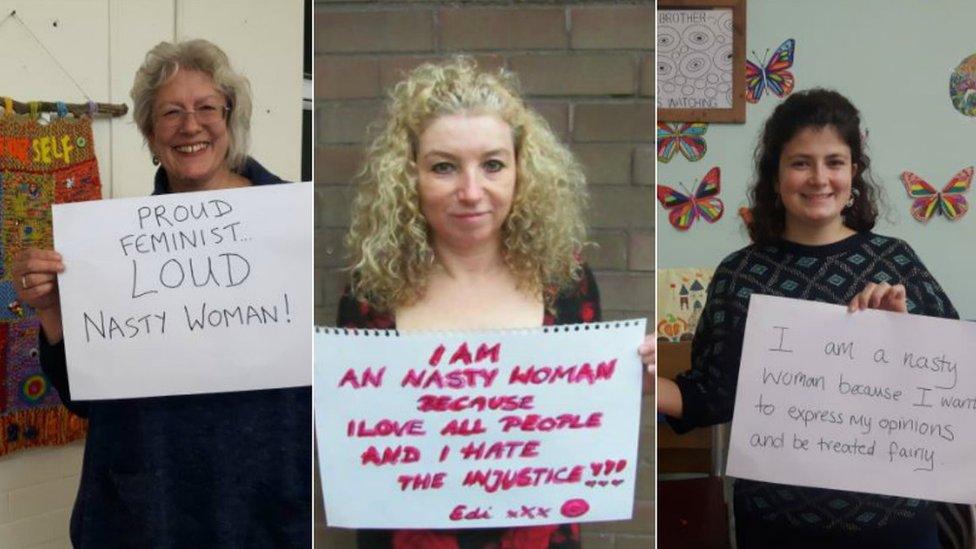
(648, 354)
(882, 296)
(668, 395)
(35, 278)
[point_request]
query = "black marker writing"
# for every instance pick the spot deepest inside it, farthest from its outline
(782, 336)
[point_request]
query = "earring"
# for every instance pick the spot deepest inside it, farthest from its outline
(854, 194)
(155, 160)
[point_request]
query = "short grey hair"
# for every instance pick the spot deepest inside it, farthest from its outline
(166, 59)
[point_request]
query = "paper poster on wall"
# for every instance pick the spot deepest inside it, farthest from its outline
(871, 401)
(688, 139)
(962, 86)
(187, 293)
(684, 209)
(928, 202)
(681, 295)
(771, 73)
(694, 59)
(478, 429)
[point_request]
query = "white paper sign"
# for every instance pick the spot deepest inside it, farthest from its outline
(187, 293)
(478, 429)
(871, 401)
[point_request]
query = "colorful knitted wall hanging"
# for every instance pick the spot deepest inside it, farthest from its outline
(40, 164)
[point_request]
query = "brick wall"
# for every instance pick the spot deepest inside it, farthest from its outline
(585, 66)
(37, 491)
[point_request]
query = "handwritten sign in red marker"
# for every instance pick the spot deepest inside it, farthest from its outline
(478, 429)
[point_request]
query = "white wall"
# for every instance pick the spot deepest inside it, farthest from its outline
(893, 59)
(37, 492)
(101, 43)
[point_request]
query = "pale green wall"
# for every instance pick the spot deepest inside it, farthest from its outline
(893, 59)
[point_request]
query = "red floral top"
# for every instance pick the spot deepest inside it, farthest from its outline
(580, 303)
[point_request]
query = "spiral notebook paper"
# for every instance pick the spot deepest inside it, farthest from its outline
(478, 429)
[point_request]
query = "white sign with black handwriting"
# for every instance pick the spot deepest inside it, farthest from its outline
(187, 293)
(871, 401)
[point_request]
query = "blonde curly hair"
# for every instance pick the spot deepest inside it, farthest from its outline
(389, 238)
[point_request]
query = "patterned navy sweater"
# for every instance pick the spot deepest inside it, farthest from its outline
(771, 514)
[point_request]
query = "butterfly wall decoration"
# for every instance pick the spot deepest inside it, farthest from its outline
(772, 75)
(928, 202)
(685, 137)
(683, 209)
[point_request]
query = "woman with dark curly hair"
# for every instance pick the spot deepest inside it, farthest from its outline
(469, 215)
(813, 207)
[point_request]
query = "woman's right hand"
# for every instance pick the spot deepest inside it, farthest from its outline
(34, 275)
(882, 296)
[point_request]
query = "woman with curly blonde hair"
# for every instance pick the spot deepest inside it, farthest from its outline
(541, 230)
(469, 215)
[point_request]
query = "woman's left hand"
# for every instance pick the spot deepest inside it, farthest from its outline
(882, 296)
(648, 352)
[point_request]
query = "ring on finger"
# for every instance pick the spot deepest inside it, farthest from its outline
(23, 281)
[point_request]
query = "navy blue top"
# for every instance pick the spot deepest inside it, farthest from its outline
(213, 470)
(772, 515)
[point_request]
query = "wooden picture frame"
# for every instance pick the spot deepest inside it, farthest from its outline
(688, 104)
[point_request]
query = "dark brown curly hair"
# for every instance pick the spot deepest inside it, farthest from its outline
(814, 108)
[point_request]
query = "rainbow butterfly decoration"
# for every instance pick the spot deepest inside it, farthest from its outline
(686, 138)
(683, 210)
(949, 202)
(774, 75)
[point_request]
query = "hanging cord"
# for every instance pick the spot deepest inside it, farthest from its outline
(9, 15)
(90, 108)
(13, 15)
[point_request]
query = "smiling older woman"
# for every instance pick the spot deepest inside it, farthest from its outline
(469, 216)
(222, 470)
